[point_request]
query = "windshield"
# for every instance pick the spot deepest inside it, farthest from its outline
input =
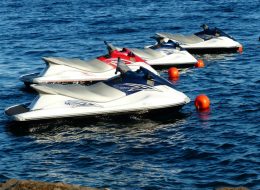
(167, 44)
(209, 33)
(141, 79)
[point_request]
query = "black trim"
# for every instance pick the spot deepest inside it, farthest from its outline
(28, 84)
(167, 66)
(212, 50)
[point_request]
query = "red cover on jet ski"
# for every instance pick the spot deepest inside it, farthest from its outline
(126, 55)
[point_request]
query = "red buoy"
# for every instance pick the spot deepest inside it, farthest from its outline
(202, 102)
(200, 63)
(240, 49)
(173, 73)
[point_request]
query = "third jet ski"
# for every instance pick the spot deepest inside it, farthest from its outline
(210, 40)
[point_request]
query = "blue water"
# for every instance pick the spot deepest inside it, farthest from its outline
(189, 151)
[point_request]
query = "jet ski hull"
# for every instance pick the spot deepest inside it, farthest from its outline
(144, 113)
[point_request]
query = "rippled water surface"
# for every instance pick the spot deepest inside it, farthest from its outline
(187, 151)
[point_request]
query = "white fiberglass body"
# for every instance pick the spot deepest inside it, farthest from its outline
(164, 54)
(140, 91)
(63, 70)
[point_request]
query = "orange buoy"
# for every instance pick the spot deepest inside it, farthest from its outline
(240, 49)
(202, 102)
(173, 73)
(200, 63)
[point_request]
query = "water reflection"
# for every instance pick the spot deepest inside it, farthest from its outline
(216, 57)
(130, 125)
(204, 116)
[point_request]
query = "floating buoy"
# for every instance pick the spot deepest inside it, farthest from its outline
(240, 49)
(202, 102)
(173, 73)
(199, 64)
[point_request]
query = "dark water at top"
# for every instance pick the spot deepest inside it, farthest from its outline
(190, 151)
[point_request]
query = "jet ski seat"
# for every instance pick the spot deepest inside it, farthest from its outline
(99, 92)
(147, 53)
(95, 65)
(182, 39)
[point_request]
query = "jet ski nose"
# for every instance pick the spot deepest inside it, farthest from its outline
(187, 99)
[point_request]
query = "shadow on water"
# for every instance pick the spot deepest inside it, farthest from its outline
(129, 122)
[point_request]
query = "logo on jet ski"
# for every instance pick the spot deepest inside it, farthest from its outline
(132, 87)
(78, 103)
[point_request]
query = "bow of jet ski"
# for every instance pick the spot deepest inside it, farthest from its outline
(64, 70)
(210, 40)
(130, 92)
(164, 54)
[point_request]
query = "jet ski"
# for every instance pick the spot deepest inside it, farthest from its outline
(210, 40)
(165, 54)
(63, 70)
(137, 92)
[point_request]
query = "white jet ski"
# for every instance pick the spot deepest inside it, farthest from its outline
(164, 54)
(63, 70)
(207, 41)
(138, 92)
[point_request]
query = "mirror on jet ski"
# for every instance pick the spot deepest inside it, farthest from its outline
(110, 47)
(121, 67)
(172, 43)
(157, 38)
(205, 27)
(216, 32)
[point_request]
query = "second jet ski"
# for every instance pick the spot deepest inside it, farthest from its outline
(173, 54)
(165, 54)
(210, 40)
(64, 70)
